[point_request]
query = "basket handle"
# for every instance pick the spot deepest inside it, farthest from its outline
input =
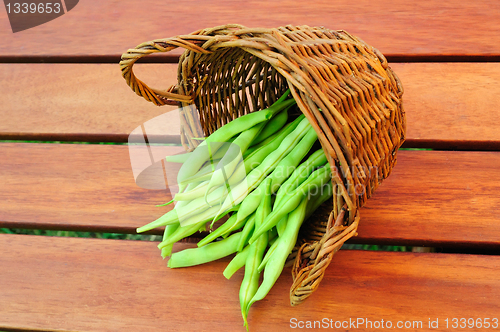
(157, 96)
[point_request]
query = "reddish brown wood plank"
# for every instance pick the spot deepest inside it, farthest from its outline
(76, 102)
(109, 285)
(451, 105)
(396, 27)
(73, 186)
(447, 105)
(436, 198)
(431, 198)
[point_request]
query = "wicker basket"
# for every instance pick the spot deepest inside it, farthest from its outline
(342, 85)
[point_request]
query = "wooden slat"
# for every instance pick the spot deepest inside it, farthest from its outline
(73, 186)
(76, 102)
(76, 284)
(436, 198)
(431, 198)
(451, 105)
(97, 28)
(447, 105)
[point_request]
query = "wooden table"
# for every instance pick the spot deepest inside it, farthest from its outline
(61, 82)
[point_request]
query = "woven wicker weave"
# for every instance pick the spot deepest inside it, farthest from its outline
(344, 87)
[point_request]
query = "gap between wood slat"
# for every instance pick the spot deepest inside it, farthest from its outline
(81, 138)
(174, 58)
(445, 145)
(438, 145)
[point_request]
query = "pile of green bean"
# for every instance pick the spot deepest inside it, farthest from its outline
(275, 179)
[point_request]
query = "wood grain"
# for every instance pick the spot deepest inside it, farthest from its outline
(76, 102)
(75, 187)
(440, 198)
(451, 105)
(448, 105)
(431, 198)
(397, 27)
(76, 284)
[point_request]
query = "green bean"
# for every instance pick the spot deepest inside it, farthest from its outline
(220, 153)
(203, 174)
(293, 199)
(191, 186)
(169, 230)
(192, 207)
(188, 216)
(268, 165)
(223, 230)
(182, 204)
(190, 225)
(301, 173)
(272, 126)
(208, 253)
(282, 171)
(235, 153)
(270, 130)
(263, 210)
(199, 156)
(290, 162)
(250, 282)
(256, 157)
(168, 218)
(198, 205)
(252, 148)
(242, 123)
(165, 204)
(203, 189)
(247, 230)
(281, 226)
(276, 262)
(244, 140)
(226, 132)
(273, 246)
(239, 259)
(182, 212)
(181, 233)
(269, 253)
(265, 157)
(283, 97)
(186, 188)
(315, 201)
(236, 263)
(196, 192)
(229, 162)
(273, 234)
(250, 203)
(208, 167)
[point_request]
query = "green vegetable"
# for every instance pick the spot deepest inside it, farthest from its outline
(232, 224)
(236, 263)
(259, 170)
(271, 127)
(293, 199)
(169, 230)
(268, 165)
(205, 254)
(276, 262)
(250, 282)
